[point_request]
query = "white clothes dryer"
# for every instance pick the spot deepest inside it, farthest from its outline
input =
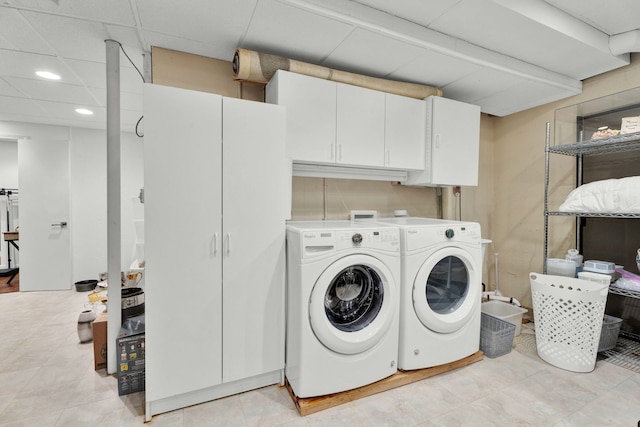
(441, 291)
(342, 305)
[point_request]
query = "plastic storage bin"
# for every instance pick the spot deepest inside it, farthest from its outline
(505, 311)
(568, 316)
(496, 336)
(609, 335)
(561, 267)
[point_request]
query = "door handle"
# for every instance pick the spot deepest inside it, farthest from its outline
(61, 224)
(228, 239)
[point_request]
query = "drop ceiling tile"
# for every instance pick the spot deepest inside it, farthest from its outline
(417, 11)
(7, 90)
(370, 53)
(18, 106)
(293, 32)
(94, 75)
(71, 38)
(435, 69)
(63, 110)
(22, 64)
(480, 84)
(118, 12)
(213, 49)
(18, 34)
(528, 94)
(201, 21)
(53, 91)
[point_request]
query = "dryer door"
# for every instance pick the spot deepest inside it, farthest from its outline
(352, 304)
(447, 290)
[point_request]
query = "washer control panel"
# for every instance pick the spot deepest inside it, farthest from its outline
(316, 242)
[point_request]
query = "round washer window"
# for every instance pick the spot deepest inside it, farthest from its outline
(354, 298)
(353, 304)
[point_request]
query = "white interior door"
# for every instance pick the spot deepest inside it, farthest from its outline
(45, 244)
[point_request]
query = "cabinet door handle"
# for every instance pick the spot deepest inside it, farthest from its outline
(214, 245)
(228, 239)
(438, 140)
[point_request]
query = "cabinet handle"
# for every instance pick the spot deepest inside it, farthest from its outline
(438, 140)
(228, 239)
(214, 245)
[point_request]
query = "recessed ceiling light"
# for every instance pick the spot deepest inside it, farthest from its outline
(603, 127)
(84, 111)
(48, 75)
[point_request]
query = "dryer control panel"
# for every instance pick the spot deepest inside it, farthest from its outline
(461, 233)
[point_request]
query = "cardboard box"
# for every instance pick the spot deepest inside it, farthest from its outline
(99, 330)
(131, 356)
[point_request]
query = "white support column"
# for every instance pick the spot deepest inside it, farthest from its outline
(113, 201)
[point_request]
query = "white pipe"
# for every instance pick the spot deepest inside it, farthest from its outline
(624, 42)
(497, 287)
(493, 296)
(113, 201)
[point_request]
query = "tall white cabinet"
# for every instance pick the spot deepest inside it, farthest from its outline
(217, 194)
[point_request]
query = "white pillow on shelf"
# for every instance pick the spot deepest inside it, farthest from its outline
(613, 196)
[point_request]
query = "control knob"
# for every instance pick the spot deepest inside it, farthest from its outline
(449, 233)
(356, 238)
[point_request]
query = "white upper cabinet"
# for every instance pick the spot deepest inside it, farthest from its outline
(360, 126)
(405, 127)
(311, 115)
(336, 123)
(452, 144)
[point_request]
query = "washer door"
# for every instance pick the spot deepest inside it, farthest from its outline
(446, 290)
(352, 304)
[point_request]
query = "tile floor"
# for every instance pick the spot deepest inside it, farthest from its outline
(47, 379)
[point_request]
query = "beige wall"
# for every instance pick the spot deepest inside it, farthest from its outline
(508, 201)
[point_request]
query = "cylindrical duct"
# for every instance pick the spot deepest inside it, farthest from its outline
(259, 67)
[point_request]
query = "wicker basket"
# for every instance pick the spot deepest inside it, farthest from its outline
(496, 336)
(610, 330)
(568, 316)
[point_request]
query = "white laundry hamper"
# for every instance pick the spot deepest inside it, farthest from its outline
(568, 315)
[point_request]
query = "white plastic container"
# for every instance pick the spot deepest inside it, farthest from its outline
(507, 312)
(561, 267)
(573, 255)
(600, 267)
(604, 279)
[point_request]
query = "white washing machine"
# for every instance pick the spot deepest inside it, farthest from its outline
(441, 291)
(342, 305)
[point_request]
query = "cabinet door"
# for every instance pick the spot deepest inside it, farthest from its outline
(452, 144)
(405, 123)
(183, 305)
(256, 202)
(311, 115)
(455, 142)
(360, 126)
